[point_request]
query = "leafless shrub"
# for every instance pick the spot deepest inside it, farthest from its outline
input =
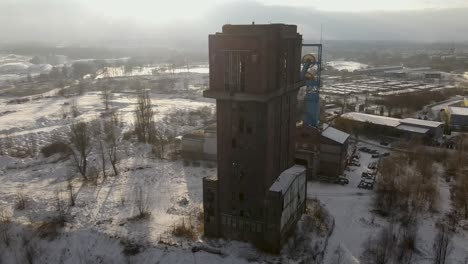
(21, 200)
(5, 221)
(71, 194)
(142, 203)
(460, 194)
(74, 109)
(61, 209)
(29, 250)
(111, 138)
(185, 230)
(442, 244)
(101, 144)
(407, 243)
(380, 249)
(339, 255)
(80, 139)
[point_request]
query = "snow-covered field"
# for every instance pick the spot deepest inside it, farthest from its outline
(346, 65)
(15, 66)
(102, 227)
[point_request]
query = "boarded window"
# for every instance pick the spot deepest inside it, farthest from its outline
(234, 74)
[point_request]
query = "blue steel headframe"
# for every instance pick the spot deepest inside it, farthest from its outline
(312, 98)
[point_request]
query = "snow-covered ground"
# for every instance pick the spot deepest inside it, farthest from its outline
(147, 70)
(355, 221)
(102, 224)
(15, 66)
(346, 65)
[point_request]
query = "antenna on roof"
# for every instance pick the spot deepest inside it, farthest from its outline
(320, 33)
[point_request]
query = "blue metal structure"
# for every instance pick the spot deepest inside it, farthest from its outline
(312, 82)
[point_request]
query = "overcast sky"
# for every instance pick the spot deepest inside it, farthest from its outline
(191, 8)
(179, 22)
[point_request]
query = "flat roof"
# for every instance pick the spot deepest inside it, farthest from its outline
(374, 119)
(285, 179)
(335, 135)
(420, 122)
(454, 110)
(419, 130)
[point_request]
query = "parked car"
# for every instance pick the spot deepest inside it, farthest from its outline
(367, 175)
(372, 165)
(376, 155)
(341, 180)
(373, 151)
(384, 143)
(366, 184)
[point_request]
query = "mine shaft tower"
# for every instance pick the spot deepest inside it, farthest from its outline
(258, 194)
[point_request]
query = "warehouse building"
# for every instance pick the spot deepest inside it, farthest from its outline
(408, 128)
(458, 116)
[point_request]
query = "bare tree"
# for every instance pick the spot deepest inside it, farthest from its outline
(460, 193)
(339, 255)
(80, 140)
(112, 143)
(442, 244)
(144, 118)
(106, 96)
(5, 220)
(71, 193)
(161, 137)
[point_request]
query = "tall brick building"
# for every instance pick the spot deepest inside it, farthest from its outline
(258, 194)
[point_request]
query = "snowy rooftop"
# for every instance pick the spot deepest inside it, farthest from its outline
(414, 129)
(374, 119)
(335, 135)
(459, 110)
(285, 179)
(420, 122)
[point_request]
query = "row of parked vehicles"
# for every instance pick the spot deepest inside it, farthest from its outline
(375, 153)
(368, 176)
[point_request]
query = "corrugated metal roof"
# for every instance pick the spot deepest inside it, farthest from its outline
(459, 110)
(286, 178)
(335, 135)
(420, 122)
(413, 129)
(374, 119)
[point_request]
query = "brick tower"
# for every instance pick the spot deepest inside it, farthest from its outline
(258, 194)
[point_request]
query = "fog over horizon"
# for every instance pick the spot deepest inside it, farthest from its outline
(185, 25)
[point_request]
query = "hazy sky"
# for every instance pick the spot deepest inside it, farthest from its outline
(186, 9)
(188, 22)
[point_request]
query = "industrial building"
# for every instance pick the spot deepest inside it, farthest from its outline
(379, 88)
(458, 113)
(324, 151)
(258, 194)
(409, 128)
(200, 146)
